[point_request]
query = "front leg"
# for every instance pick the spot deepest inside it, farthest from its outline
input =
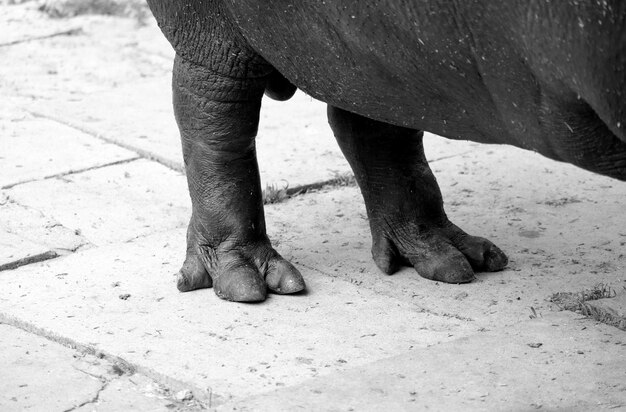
(404, 204)
(227, 246)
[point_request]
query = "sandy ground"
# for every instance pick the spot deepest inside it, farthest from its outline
(93, 209)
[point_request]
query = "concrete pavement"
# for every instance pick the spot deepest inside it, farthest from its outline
(93, 209)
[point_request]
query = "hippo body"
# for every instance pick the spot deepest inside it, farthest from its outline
(545, 76)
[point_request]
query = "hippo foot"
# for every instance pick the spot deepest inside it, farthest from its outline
(241, 274)
(442, 253)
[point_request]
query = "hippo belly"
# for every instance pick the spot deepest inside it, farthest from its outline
(477, 72)
(388, 67)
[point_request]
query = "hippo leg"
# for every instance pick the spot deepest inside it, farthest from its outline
(404, 204)
(227, 247)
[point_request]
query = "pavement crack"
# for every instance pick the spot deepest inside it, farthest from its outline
(449, 157)
(73, 172)
(94, 399)
(71, 32)
(156, 232)
(65, 251)
(29, 327)
(116, 372)
(50, 254)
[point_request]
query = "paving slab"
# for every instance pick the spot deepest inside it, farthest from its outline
(27, 235)
(36, 376)
(112, 204)
(40, 375)
(122, 300)
(32, 149)
(295, 145)
(559, 362)
(98, 54)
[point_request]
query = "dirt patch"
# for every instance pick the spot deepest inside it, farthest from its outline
(562, 201)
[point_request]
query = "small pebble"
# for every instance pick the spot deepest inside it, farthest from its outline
(184, 395)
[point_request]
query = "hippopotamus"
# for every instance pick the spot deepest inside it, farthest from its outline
(544, 76)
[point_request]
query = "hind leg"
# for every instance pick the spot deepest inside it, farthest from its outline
(404, 204)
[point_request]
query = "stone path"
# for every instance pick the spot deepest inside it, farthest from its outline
(93, 209)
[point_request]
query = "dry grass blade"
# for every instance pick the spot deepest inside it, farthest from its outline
(275, 194)
(575, 301)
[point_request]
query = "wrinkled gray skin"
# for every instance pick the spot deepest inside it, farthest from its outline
(545, 76)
